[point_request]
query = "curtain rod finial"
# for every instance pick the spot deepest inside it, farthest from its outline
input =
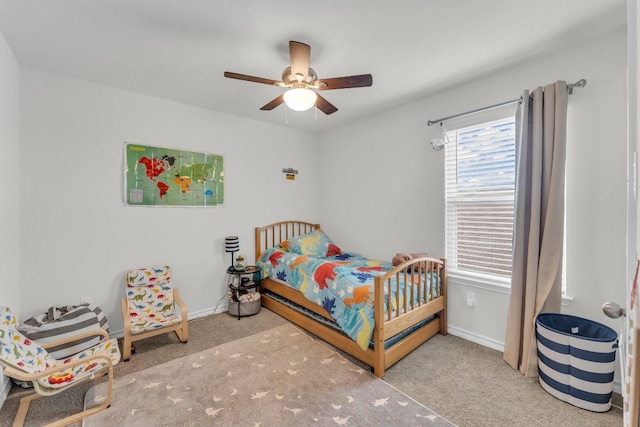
(579, 83)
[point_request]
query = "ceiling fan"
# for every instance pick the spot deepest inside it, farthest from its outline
(303, 82)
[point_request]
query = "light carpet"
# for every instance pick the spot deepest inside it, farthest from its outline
(278, 377)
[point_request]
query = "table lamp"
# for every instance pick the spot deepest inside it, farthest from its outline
(231, 245)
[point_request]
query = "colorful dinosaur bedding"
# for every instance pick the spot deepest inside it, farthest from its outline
(341, 282)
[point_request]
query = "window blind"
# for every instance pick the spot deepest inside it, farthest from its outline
(479, 199)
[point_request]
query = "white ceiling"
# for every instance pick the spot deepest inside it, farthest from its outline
(179, 50)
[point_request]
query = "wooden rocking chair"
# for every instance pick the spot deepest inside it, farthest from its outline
(151, 306)
(26, 360)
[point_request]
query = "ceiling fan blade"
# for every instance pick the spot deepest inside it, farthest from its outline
(300, 54)
(274, 103)
(361, 80)
(325, 106)
(245, 77)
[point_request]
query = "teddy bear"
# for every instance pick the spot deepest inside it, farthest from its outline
(404, 257)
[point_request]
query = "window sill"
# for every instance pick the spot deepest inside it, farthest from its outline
(480, 283)
(497, 287)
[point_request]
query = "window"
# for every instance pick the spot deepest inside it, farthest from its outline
(480, 174)
(479, 200)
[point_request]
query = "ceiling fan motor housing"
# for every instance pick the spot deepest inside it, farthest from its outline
(291, 80)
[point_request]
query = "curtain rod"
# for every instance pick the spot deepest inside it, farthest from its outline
(579, 83)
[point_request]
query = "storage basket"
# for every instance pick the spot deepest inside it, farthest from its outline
(243, 308)
(63, 321)
(576, 360)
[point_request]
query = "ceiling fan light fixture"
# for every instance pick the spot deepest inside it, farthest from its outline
(300, 99)
(302, 82)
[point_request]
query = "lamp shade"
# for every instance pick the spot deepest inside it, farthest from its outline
(231, 244)
(300, 99)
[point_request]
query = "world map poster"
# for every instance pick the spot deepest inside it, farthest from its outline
(156, 176)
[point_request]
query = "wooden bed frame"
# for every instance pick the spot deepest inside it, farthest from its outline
(387, 325)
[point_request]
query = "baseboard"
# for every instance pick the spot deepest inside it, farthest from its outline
(499, 346)
(190, 316)
(5, 386)
(476, 338)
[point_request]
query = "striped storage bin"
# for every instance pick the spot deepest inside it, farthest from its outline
(576, 360)
(63, 321)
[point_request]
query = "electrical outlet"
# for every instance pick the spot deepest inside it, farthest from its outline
(471, 299)
(86, 300)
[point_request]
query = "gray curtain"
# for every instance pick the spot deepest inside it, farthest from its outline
(536, 278)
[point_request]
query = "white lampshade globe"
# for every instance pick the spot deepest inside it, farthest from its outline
(300, 99)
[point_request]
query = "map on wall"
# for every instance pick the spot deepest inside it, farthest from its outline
(156, 176)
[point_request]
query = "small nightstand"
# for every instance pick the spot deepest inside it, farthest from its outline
(244, 291)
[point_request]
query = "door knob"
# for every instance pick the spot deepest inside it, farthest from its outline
(613, 310)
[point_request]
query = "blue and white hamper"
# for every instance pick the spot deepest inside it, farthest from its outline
(576, 360)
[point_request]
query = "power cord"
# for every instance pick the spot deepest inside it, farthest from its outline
(218, 303)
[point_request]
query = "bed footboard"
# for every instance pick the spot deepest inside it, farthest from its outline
(415, 291)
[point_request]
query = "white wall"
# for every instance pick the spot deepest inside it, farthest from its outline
(9, 174)
(384, 192)
(10, 207)
(77, 237)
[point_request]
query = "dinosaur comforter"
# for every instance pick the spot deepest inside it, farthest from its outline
(341, 282)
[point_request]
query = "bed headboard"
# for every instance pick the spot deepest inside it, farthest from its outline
(272, 234)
